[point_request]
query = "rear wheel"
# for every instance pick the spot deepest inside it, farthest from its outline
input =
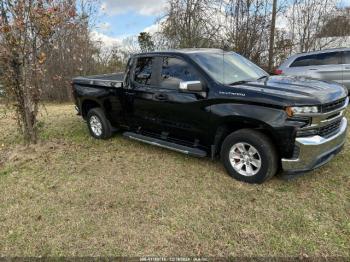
(249, 156)
(99, 126)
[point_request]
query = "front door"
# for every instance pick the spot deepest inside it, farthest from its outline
(181, 115)
(157, 106)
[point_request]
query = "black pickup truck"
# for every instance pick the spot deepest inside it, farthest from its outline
(209, 102)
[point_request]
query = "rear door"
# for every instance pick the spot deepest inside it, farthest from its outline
(327, 66)
(346, 69)
(139, 94)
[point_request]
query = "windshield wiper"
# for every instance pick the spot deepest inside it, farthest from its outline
(262, 77)
(246, 81)
(238, 82)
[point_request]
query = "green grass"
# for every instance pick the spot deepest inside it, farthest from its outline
(74, 195)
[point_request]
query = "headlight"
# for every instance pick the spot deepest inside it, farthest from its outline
(300, 110)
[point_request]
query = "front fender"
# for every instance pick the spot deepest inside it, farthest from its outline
(272, 121)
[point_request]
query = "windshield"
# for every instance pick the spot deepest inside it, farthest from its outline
(228, 67)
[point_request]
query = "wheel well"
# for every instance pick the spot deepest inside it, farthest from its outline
(224, 130)
(88, 105)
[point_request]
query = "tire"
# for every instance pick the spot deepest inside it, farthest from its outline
(244, 164)
(99, 126)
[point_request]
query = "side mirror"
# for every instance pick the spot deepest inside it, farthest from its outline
(191, 86)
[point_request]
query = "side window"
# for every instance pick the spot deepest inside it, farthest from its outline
(143, 70)
(347, 57)
(303, 61)
(332, 58)
(174, 71)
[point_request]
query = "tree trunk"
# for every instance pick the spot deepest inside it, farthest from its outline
(272, 35)
(29, 117)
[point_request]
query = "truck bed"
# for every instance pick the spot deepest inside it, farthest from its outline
(106, 80)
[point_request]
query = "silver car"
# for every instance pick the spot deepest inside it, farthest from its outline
(330, 64)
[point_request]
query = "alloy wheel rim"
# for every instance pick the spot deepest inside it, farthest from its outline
(245, 159)
(96, 125)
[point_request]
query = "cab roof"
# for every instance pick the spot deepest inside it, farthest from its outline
(184, 51)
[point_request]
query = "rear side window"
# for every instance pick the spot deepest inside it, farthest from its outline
(174, 71)
(303, 61)
(347, 57)
(143, 70)
(332, 58)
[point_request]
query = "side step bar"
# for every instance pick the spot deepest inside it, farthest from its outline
(165, 144)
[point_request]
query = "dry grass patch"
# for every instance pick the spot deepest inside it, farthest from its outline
(73, 195)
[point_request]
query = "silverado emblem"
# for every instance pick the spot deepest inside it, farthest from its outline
(231, 93)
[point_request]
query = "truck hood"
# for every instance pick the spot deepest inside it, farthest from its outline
(294, 90)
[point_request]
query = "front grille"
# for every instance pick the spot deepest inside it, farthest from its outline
(333, 106)
(329, 130)
(325, 131)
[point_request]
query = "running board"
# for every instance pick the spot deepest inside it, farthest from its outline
(165, 144)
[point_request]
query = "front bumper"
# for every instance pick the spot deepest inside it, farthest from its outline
(315, 151)
(77, 109)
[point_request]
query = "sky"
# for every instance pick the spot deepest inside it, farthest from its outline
(119, 19)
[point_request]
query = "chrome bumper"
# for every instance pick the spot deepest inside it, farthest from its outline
(77, 109)
(315, 151)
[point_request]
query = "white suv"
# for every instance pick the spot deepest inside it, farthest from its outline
(330, 64)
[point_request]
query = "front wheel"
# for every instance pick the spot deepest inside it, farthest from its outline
(249, 156)
(99, 125)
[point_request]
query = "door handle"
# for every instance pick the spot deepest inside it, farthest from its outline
(313, 69)
(161, 97)
(347, 67)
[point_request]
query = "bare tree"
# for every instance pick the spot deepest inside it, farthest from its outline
(26, 28)
(131, 45)
(247, 27)
(72, 53)
(188, 23)
(307, 18)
